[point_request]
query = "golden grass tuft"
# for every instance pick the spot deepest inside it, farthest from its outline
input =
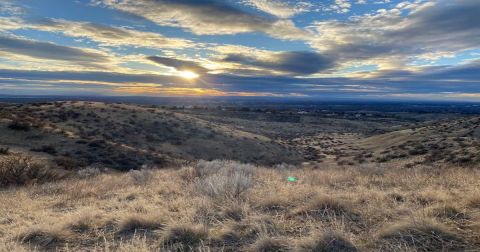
(327, 242)
(225, 237)
(474, 201)
(140, 225)
(184, 237)
(268, 244)
(420, 235)
(209, 212)
(87, 223)
(322, 207)
(48, 239)
(274, 203)
(449, 212)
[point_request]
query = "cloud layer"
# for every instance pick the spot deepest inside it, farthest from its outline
(206, 17)
(250, 47)
(45, 50)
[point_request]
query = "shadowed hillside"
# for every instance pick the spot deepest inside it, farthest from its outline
(126, 136)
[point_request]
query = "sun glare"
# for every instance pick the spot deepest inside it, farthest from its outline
(189, 75)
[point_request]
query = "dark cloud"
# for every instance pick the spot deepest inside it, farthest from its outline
(457, 75)
(397, 35)
(363, 51)
(453, 24)
(45, 50)
(180, 65)
(287, 62)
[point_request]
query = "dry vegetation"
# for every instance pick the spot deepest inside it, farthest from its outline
(78, 176)
(227, 206)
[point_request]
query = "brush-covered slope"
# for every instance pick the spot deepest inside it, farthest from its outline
(453, 141)
(128, 136)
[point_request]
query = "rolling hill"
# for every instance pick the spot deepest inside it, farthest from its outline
(126, 137)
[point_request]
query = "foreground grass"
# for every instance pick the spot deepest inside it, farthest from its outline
(228, 206)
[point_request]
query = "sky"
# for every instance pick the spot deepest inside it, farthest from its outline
(346, 49)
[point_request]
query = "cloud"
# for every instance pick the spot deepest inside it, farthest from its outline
(10, 23)
(9, 7)
(90, 76)
(391, 38)
(451, 25)
(103, 34)
(179, 65)
(280, 8)
(462, 74)
(339, 6)
(109, 35)
(50, 51)
(207, 17)
(299, 63)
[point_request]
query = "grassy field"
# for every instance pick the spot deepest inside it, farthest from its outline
(228, 206)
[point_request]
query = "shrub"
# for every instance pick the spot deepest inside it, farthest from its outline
(328, 242)
(140, 177)
(96, 143)
(21, 170)
(4, 151)
(49, 149)
(89, 171)
(423, 235)
(223, 179)
(19, 125)
(418, 150)
(284, 166)
(69, 163)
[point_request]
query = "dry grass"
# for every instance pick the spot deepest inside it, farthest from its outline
(44, 239)
(142, 225)
(421, 235)
(324, 207)
(268, 244)
(328, 242)
(184, 237)
(474, 201)
(383, 208)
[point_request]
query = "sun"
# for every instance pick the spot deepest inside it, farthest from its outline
(189, 75)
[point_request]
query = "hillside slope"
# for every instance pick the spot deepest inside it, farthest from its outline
(128, 136)
(453, 141)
